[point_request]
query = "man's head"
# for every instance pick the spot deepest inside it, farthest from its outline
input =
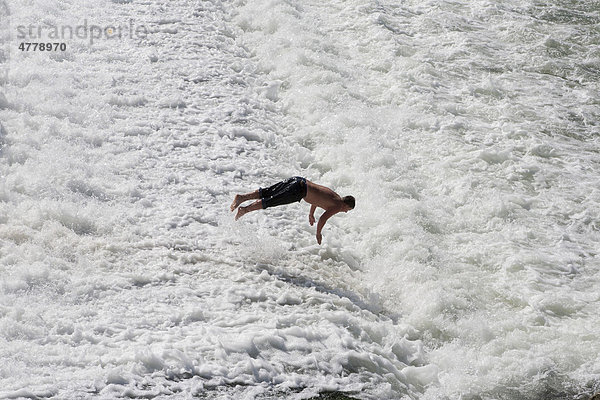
(349, 202)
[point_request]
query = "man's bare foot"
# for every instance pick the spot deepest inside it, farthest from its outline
(237, 200)
(240, 213)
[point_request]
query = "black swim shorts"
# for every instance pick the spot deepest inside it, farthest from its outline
(285, 192)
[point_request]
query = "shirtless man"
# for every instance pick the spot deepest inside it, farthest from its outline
(292, 190)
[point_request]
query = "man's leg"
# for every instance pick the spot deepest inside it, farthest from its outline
(240, 198)
(257, 205)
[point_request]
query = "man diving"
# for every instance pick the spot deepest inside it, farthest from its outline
(292, 190)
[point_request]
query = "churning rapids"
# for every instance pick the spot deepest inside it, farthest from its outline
(467, 131)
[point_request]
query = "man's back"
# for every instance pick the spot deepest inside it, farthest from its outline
(322, 196)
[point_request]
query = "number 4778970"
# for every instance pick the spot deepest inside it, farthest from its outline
(26, 46)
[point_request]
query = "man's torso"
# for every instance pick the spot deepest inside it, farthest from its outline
(321, 196)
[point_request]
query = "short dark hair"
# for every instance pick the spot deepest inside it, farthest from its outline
(349, 201)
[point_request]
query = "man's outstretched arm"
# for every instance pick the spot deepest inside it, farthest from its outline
(311, 214)
(326, 215)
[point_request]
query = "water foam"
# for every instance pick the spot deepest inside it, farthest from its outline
(466, 132)
(465, 143)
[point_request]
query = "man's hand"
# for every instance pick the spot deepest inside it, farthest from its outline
(311, 214)
(319, 238)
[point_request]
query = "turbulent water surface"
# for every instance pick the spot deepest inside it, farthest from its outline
(467, 131)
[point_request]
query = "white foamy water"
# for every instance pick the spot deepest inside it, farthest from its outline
(468, 134)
